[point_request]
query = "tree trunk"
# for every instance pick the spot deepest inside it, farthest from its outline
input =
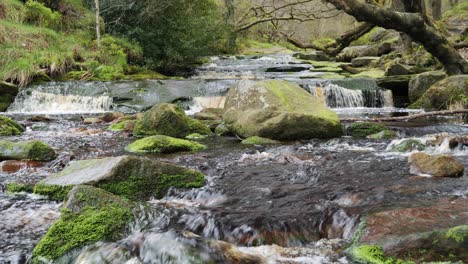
(98, 23)
(230, 20)
(436, 7)
(412, 24)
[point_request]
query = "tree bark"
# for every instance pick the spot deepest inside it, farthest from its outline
(436, 7)
(412, 24)
(98, 23)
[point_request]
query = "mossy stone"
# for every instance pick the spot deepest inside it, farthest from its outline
(134, 178)
(8, 127)
(408, 145)
(373, 254)
(26, 150)
(386, 134)
(14, 187)
(255, 140)
(436, 166)
(163, 144)
(168, 120)
(364, 129)
(126, 125)
(278, 110)
(196, 136)
(90, 215)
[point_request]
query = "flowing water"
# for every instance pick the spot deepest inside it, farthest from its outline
(298, 202)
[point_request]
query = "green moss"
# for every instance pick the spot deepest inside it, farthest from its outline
(386, 134)
(8, 127)
(75, 230)
(120, 126)
(14, 187)
(163, 144)
(371, 254)
(255, 140)
(54, 192)
(138, 188)
(364, 129)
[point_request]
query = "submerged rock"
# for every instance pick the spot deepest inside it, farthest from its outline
(92, 120)
(408, 145)
(450, 92)
(8, 127)
(130, 177)
(436, 166)
(26, 150)
(278, 110)
(163, 144)
(168, 120)
(364, 129)
(386, 134)
(258, 141)
(90, 215)
(421, 82)
(424, 233)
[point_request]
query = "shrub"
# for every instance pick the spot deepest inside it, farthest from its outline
(40, 15)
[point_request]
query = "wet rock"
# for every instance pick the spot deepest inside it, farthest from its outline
(386, 134)
(258, 141)
(127, 125)
(8, 92)
(436, 166)
(450, 92)
(39, 119)
(8, 127)
(26, 150)
(291, 68)
(92, 120)
(434, 232)
(91, 215)
(314, 56)
(363, 61)
(196, 136)
(397, 69)
(222, 130)
(278, 110)
(109, 117)
(163, 144)
(168, 120)
(131, 177)
(454, 141)
(408, 145)
(350, 53)
(210, 114)
(364, 129)
(421, 82)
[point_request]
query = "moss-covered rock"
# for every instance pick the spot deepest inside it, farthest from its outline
(452, 91)
(163, 144)
(255, 140)
(408, 145)
(373, 254)
(421, 82)
(436, 166)
(210, 114)
(26, 150)
(126, 125)
(196, 136)
(130, 177)
(90, 215)
(168, 120)
(364, 129)
(8, 127)
(386, 134)
(14, 187)
(278, 110)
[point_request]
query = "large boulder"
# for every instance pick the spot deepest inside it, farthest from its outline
(90, 215)
(26, 150)
(421, 82)
(7, 95)
(163, 144)
(8, 127)
(169, 120)
(350, 53)
(130, 177)
(278, 110)
(436, 166)
(450, 92)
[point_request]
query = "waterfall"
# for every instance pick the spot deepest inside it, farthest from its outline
(336, 96)
(43, 102)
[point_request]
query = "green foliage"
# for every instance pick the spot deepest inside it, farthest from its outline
(12, 10)
(8, 127)
(75, 230)
(40, 15)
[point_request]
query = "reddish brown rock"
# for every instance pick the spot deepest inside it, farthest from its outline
(11, 166)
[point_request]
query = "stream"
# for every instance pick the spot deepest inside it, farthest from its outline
(298, 202)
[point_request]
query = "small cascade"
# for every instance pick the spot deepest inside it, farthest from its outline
(42, 102)
(338, 97)
(200, 103)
